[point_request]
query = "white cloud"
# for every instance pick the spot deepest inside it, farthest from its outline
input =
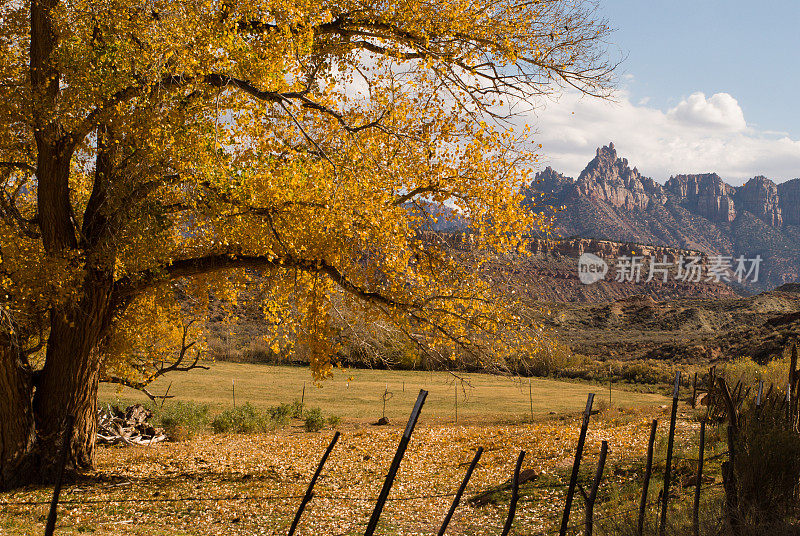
(699, 135)
(721, 111)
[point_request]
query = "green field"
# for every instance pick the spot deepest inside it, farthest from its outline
(355, 395)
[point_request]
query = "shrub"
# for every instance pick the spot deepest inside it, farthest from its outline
(297, 409)
(246, 419)
(767, 465)
(281, 414)
(314, 421)
(182, 420)
(333, 421)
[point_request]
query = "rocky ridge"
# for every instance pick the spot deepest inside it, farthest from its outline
(701, 212)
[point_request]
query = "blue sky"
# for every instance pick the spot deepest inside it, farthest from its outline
(747, 49)
(706, 86)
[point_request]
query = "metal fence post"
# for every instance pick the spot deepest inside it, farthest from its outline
(670, 444)
(310, 491)
(592, 496)
(573, 480)
(460, 491)
(398, 457)
(647, 471)
(512, 508)
(696, 509)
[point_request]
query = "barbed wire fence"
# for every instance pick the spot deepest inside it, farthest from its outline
(566, 526)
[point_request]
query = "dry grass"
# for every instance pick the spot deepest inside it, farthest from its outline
(238, 484)
(133, 487)
(355, 395)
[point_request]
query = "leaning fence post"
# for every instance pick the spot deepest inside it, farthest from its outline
(512, 507)
(460, 491)
(398, 456)
(670, 444)
(51, 517)
(310, 491)
(696, 509)
(592, 496)
(647, 470)
(573, 479)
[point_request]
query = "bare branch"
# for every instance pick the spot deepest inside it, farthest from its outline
(159, 370)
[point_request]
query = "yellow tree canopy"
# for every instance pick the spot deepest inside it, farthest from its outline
(158, 142)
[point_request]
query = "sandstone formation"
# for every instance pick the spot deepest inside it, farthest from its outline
(759, 196)
(608, 178)
(614, 202)
(705, 194)
(789, 201)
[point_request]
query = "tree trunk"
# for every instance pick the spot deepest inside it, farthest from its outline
(16, 415)
(33, 413)
(69, 379)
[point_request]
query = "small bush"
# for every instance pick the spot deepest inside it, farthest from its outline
(314, 421)
(246, 419)
(333, 421)
(281, 414)
(298, 409)
(182, 420)
(767, 466)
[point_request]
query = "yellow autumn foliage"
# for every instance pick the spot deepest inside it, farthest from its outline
(157, 149)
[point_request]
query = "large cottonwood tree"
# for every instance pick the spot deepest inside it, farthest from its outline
(149, 143)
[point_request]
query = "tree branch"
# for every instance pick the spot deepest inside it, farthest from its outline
(175, 366)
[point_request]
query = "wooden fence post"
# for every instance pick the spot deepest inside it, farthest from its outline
(310, 491)
(460, 491)
(233, 392)
(647, 471)
(729, 481)
(694, 391)
(592, 496)
(573, 480)
(62, 463)
(398, 457)
(512, 507)
(696, 509)
(670, 444)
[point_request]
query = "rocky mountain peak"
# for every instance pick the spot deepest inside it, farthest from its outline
(759, 196)
(789, 195)
(609, 178)
(550, 181)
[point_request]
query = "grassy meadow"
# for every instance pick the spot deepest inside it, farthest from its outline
(355, 395)
(246, 484)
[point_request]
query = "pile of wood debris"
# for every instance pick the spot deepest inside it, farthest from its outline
(129, 427)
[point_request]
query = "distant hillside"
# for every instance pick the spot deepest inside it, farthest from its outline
(684, 330)
(611, 201)
(551, 273)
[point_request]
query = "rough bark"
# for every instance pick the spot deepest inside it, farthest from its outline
(69, 379)
(16, 415)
